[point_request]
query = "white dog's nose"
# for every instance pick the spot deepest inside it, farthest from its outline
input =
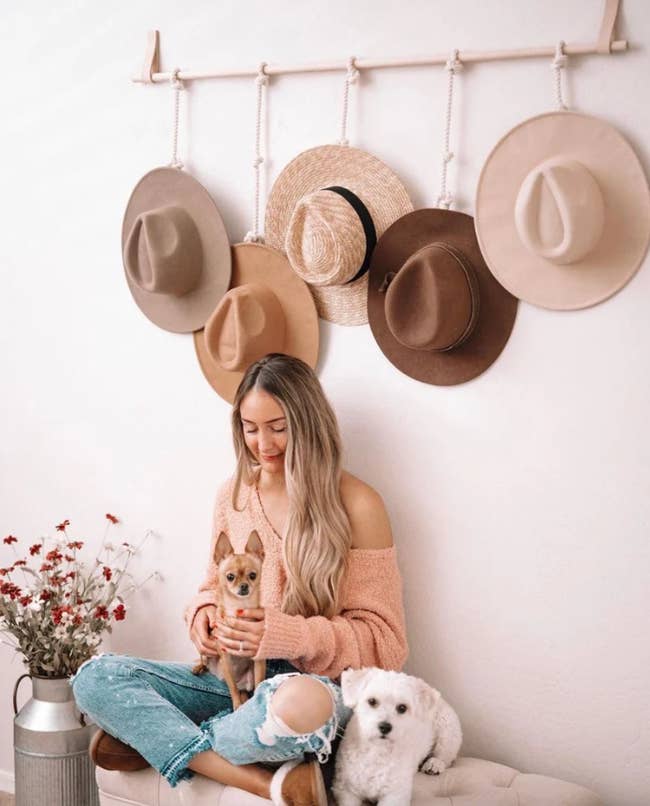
(384, 728)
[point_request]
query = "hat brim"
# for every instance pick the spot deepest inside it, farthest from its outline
(171, 186)
(497, 311)
(378, 187)
(257, 263)
(620, 177)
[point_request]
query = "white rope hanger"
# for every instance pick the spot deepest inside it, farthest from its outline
(605, 43)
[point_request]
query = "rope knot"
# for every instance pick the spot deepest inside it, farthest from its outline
(444, 201)
(175, 81)
(253, 237)
(344, 142)
(353, 73)
(560, 58)
(453, 64)
(257, 162)
(262, 78)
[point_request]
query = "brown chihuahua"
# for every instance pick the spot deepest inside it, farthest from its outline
(239, 578)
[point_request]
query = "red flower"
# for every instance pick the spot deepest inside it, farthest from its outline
(119, 613)
(46, 567)
(35, 549)
(101, 612)
(62, 526)
(69, 558)
(20, 562)
(77, 619)
(112, 518)
(25, 600)
(11, 590)
(5, 571)
(107, 573)
(75, 544)
(57, 612)
(45, 595)
(54, 556)
(10, 539)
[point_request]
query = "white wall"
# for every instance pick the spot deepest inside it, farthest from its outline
(519, 501)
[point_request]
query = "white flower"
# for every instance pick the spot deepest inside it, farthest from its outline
(60, 632)
(34, 606)
(109, 547)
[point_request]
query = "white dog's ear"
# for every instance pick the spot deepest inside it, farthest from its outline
(426, 698)
(352, 681)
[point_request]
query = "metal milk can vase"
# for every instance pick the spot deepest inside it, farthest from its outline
(51, 738)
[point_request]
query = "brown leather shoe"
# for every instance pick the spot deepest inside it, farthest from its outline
(299, 784)
(112, 754)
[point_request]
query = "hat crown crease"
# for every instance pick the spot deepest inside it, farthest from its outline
(432, 303)
(560, 211)
(325, 240)
(247, 324)
(163, 252)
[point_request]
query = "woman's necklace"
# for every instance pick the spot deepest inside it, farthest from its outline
(266, 517)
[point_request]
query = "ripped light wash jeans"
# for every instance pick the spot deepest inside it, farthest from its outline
(169, 714)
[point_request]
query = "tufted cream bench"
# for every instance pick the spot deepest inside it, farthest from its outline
(470, 782)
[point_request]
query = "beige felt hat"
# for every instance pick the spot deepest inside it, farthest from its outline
(268, 309)
(435, 309)
(563, 211)
(175, 250)
(326, 210)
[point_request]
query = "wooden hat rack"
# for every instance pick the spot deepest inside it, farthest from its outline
(605, 43)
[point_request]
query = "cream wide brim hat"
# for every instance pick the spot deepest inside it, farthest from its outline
(371, 180)
(258, 264)
(617, 205)
(173, 187)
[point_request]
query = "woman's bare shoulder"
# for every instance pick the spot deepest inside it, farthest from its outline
(367, 513)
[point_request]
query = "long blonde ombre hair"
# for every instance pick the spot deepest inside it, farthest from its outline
(316, 542)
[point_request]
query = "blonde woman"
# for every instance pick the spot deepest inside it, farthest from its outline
(332, 599)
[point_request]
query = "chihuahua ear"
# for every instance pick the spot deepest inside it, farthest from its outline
(254, 545)
(222, 548)
(427, 698)
(352, 682)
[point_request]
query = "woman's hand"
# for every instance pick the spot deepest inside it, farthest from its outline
(200, 631)
(241, 636)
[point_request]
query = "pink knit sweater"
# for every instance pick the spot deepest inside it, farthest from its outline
(369, 630)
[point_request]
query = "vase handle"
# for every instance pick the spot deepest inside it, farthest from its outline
(16, 691)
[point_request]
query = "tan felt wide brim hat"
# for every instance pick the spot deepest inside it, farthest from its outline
(260, 264)
(376, 185)
(173, 187)
(497, 307)
(610, 160)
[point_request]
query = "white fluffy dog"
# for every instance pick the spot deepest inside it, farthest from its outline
(399, 724)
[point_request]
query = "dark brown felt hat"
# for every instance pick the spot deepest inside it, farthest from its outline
(435, 309)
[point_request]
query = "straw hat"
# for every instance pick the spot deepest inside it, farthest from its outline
(175, 250)
(563, 211)
(326, 210)
(268, 309)
(436, 311)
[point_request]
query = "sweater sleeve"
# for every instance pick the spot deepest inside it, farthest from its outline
(207, 594)
(369, 631)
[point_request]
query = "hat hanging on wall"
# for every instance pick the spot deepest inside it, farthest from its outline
(268, 308)
(175, 247)
(326, 210)
(563, 210)
(435, 310)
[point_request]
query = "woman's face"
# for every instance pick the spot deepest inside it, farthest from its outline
(265, 429)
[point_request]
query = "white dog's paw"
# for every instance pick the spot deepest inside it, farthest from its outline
(433, 766)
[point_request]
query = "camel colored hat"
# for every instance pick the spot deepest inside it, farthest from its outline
(435, 309)
(326, 210)
(563, 211)
(175, 250)
(268, 309)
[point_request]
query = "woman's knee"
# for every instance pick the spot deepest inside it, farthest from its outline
(91, 683)
(303, 703)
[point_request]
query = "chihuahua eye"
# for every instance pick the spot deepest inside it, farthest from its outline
(401, 708)
(230, 577)
(372, 702)
(252, 575)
